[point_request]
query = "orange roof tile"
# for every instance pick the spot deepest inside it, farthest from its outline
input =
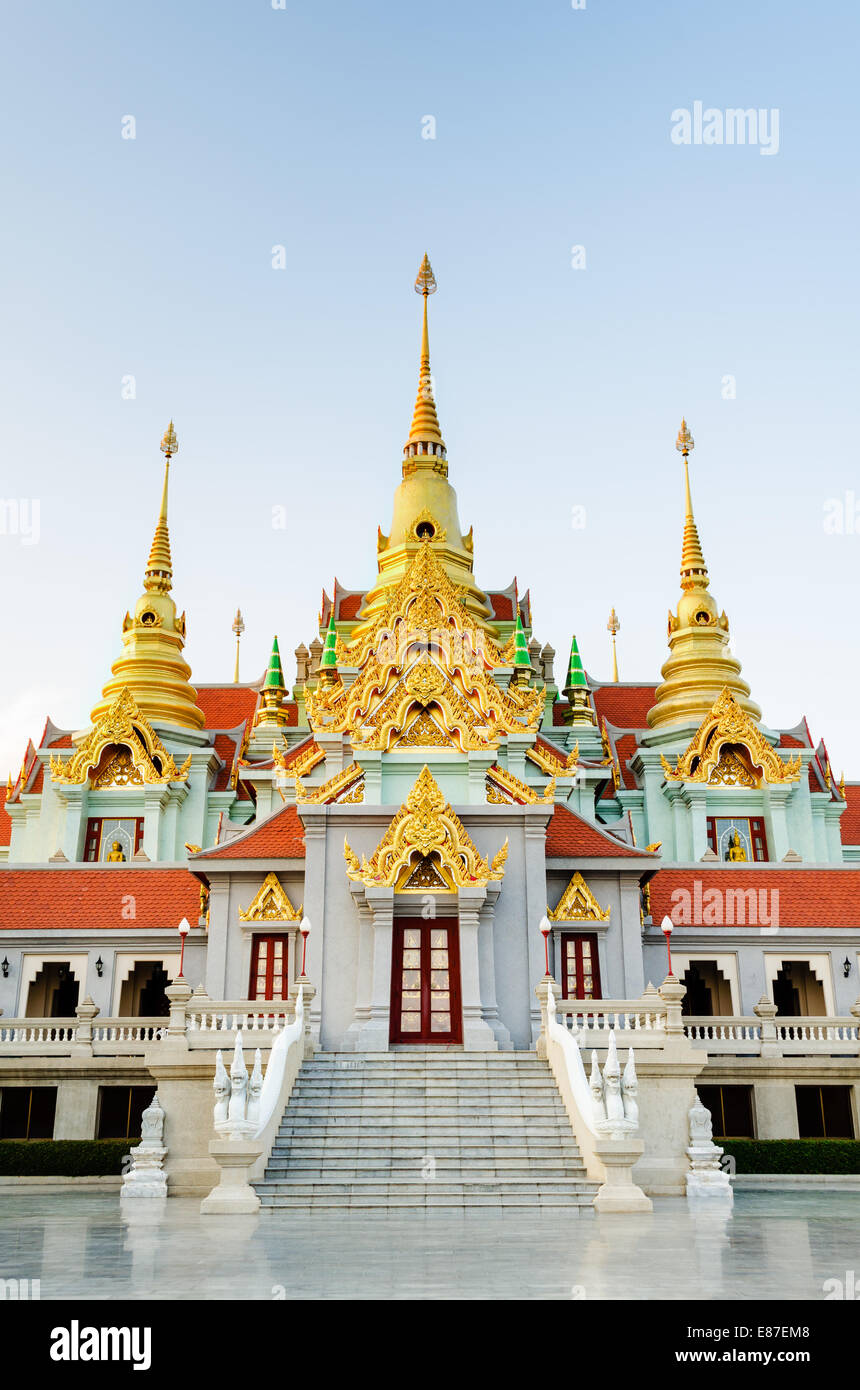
(278, 837)
(625, 706)
(96, 897)
(5, 820)
(568, 836)
(849, 821)
(225, 706)
(350, 605)
(806, 897)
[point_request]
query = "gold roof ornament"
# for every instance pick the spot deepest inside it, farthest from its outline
(578, 904)
(515, 791)
(425, 422)
(347, 785)
(613, 626)
(271, 904)
(151, 665)
(238, 629)
(699, 664)
(422, 656)
(125, 725)
(715, 753)
(425, 838)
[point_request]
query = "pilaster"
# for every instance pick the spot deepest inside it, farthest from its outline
(478, 1036)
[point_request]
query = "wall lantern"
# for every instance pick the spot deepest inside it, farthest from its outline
(545, 929)
(100, 965)
(666, 928)
(5, 968)
(846, 967)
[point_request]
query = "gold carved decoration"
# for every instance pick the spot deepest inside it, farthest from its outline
(515, 791)
(119, 772)
(424, 732)
(425, 828)
(347, 785)
(271, 904)
(123, 724)
(729, 723)
(424, 657)
(555, 763)
(426, 518)
(300, 766)
(578, 904)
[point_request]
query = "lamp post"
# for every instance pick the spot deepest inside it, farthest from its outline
(183, 930)
(666, 929)
(546, 928)
(304, 928)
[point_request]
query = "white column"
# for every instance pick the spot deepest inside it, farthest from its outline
(478, 1036)
(373, 1036)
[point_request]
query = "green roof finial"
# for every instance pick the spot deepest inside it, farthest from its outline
(328, 660)
(521, 649)
(575, 673)
(274, 676)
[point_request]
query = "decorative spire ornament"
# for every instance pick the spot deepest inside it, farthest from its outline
(700, 664)
(425, 422)
(522, 660)
(328, 672)
(152, 667)
(577, 690)
(613, 626)
(238, 629)
(274, 692)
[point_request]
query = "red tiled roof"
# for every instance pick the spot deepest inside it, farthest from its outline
(225, 706)
(226, 746)
(625, 747)
(98, 898)
(502, 607)
(791, 741)
(849, 821)
(625, 706)
(812, 897)
(558, 713)
(279, 837)
(349, 606)
(5, 820)
(568, 836)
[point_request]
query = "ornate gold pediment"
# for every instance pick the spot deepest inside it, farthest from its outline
(301, 765)
(423, 657)
(728, 750)
(271, 904)
(578, 904)
(425, 836)
(122, 724)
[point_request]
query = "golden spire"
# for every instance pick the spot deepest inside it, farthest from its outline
(425, 423)
(700, 664)
(694, 571)
(151, 665)
(9, 787)
(158, 578)
(612, 627)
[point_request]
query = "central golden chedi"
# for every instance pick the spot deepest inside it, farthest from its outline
(425, 504)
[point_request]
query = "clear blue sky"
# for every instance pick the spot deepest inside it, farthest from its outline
(557, 387)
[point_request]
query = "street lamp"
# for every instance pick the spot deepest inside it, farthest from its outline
(666, 929)
(546, 928)
(183, 930)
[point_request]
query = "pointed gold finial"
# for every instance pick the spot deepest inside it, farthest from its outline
(158, 577)
(238, 628)
(425, 423)
(612, 627)
(9, 787)
(842, 787)
(694, 571)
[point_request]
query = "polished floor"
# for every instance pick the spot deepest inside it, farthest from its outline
(776, 1245)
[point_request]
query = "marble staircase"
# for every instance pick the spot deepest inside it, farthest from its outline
(425, 1128)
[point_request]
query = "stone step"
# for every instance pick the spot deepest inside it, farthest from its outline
(384, 1206)
(407, 1186)
(475, 1170)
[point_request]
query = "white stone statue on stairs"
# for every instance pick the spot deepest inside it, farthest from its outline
(616, 1111)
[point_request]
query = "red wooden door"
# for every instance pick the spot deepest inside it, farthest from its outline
(269, 973)
(580, 968)
(425, 982)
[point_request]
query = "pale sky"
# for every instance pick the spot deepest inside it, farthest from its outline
(558, 387)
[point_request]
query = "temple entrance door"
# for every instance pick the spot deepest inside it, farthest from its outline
(425, 982)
